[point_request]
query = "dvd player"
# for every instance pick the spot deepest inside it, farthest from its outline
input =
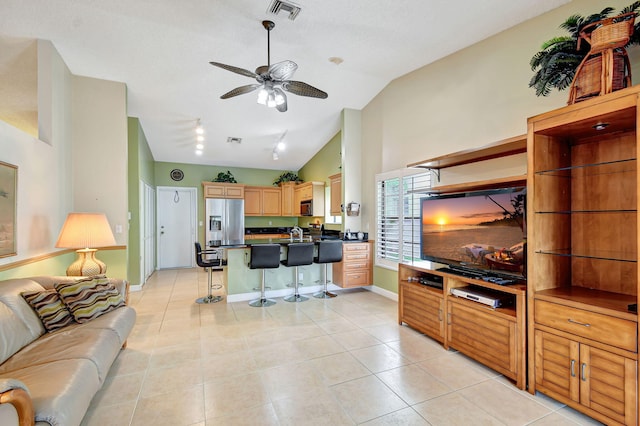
(485, 296)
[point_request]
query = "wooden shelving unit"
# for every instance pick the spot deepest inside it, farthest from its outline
(582, 217)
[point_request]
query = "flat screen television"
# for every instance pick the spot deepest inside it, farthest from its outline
(480, 231)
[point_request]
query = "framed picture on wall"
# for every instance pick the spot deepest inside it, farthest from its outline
(8, 209)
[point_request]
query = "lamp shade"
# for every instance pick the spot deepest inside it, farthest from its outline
(85, 230)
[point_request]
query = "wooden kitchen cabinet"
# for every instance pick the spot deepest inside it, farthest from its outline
(356, 268)
(222, 190)
(262, 201)
(287, 206)
(309, 191)
(335, 182)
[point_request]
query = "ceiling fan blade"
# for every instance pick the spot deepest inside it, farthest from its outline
(283, 106)
(303, 89)
(282, 70)
(237, 70)
(240, 91)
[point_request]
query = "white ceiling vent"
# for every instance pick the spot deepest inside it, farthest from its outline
(278, 6)
(231, 139)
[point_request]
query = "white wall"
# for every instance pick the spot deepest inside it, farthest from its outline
(99, 155)
(82, 166)
(474, 97)
(44, 172)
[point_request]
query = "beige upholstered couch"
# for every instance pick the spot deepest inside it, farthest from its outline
(52, 376)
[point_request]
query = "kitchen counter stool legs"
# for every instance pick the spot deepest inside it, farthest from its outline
(264, 256)
(328, 252)
(298, 254)
(208, 264)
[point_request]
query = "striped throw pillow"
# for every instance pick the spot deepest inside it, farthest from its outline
(89, 298)
(49, 308)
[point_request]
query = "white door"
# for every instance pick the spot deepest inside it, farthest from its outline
(176, 227)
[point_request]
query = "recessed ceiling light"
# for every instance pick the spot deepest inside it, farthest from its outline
(281, 146)
(198, 152)
(200, 138)
(600, 126)
(200, 146)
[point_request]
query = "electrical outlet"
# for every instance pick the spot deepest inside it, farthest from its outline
(270, 223)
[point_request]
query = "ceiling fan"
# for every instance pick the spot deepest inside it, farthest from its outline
(273, 80)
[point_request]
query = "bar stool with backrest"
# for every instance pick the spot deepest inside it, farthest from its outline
(328, 252)
(264, 256)
(208, 264)
(298, 254)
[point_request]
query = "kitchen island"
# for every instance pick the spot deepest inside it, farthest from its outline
(241, 281)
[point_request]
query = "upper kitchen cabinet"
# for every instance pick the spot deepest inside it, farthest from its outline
(262, 201)
(335, 182)
(288, 206)
(309, 191)
(222, 190)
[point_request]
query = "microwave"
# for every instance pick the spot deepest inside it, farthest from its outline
(306, 208)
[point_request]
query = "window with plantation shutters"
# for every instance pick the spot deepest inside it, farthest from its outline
(398, 215)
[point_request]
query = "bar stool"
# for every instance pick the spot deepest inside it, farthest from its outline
(298, 254)
(208, 264)
(264, 256)
(328, 252)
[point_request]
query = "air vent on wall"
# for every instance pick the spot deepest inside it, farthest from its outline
(278, 6)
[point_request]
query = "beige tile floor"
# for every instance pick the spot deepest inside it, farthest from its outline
(342, 361)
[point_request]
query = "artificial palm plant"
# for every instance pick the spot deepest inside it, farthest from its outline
(555, 65)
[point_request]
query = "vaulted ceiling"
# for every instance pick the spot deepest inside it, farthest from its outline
(161, 49)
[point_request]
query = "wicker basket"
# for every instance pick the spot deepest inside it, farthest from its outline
(609, 33)
(588, 81)
(611, 36)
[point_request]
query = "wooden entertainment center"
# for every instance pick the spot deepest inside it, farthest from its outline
(575, 338)
(495, 337)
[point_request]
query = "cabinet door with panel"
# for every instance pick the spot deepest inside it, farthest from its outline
(262, 201)
(422, 308)
(287, 201)
(591, 379)
(222, 190)
(483, 334)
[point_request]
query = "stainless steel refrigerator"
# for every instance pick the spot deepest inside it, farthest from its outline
(225, 222)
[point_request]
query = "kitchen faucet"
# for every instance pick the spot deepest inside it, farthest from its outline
(296, 230)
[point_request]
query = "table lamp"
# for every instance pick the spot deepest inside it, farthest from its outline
(85, 232)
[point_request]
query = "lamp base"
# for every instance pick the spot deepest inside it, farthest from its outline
(86, 264)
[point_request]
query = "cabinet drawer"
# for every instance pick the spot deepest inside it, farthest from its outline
(602, 328)
(351, 247)
(356, 257)
(356, 278)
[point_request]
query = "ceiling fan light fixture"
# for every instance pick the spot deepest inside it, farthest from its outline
(271, 100)
(263, 94)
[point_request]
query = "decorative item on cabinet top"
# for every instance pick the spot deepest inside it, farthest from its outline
(557, 64)
(225, 177)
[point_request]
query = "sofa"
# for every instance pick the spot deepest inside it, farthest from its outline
(52, 366)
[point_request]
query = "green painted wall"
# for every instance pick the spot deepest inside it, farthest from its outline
(140, 167)
(385, 278)
(195, 174)
(325, 163)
